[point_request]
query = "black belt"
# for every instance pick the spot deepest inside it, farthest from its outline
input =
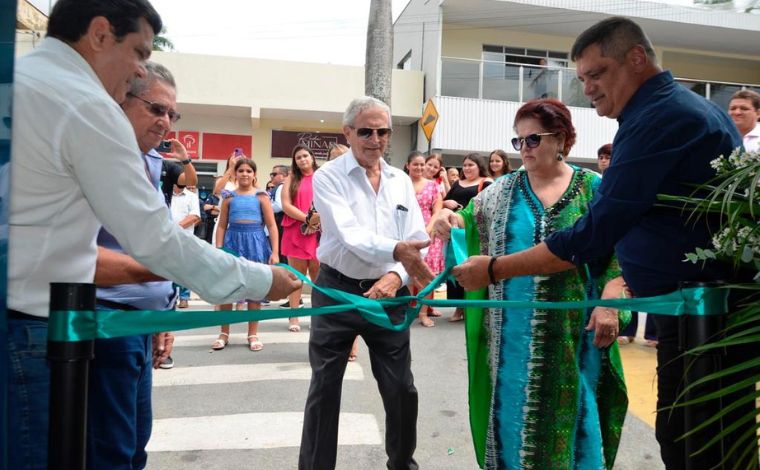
(334, 273)
(16, 315)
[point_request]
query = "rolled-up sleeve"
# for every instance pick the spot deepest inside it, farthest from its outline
(112, 179)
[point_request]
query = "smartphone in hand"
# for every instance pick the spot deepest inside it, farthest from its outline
(165, 146)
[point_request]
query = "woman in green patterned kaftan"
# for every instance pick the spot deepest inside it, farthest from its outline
(543, 393)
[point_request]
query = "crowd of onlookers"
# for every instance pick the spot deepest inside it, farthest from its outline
(285, 206)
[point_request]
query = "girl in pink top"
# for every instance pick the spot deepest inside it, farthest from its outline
(430, 200)
(301, 222)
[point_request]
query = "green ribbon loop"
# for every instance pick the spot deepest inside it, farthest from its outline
(70, 325)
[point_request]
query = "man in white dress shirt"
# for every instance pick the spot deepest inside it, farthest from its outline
(76, 165)
(744, 109)
(372, 234)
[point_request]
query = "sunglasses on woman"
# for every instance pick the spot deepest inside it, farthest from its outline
(366, 132)
(158, 109)
(532, 140)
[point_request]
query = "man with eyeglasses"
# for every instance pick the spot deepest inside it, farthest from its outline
(372, 234)
(76, 167)
(172, 173)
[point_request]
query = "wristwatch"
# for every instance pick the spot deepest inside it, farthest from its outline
(185, 162)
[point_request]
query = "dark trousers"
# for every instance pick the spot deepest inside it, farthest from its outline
(650, 331)
(670, 426)
(329, 345)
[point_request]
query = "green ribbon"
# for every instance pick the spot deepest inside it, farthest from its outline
(73, 325)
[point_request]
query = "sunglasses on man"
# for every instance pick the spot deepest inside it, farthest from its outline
(365, 133)
(158, 109)
(532, 140)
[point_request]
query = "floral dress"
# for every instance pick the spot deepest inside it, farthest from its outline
(426, 199)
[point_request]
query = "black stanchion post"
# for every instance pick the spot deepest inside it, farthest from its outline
(69, 374)
(696, 330)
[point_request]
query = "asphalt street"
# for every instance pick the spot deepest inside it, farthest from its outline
(240, 409)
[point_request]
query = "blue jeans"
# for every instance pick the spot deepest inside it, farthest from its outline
(119, 410)
(184, 292)
(28, 394)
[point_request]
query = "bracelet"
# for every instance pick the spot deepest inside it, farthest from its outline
(491, 276)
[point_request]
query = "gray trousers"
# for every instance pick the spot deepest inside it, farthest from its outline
(329, 345)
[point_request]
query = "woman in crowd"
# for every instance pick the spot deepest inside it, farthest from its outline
(241, 230)
(435, 171)
(430, 201)
(473, 181)
(300, 223)
(603, 157)
(335, 150)
(498, 164)
(546, 386)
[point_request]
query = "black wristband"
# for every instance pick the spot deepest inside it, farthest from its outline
(186, 161)
(491, 276)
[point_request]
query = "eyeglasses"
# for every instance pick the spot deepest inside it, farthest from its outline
(272, 175)
(532, 140)
(158, 109)
(366, 132)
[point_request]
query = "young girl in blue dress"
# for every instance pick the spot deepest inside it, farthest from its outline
(241, 230)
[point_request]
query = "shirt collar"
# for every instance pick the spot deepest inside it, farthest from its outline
(65, 52)
(644, 93)
(152, 153)
(350, 164)
(755, 132)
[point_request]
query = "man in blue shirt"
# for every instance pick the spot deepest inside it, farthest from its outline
(667, 137)
(119, 416)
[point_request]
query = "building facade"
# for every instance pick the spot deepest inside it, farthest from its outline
(483, 58)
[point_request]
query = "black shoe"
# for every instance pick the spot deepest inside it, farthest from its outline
(287, 304)
(167, 364)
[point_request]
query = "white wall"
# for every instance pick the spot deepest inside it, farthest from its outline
(418, 29)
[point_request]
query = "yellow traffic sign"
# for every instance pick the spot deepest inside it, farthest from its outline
(429, 119)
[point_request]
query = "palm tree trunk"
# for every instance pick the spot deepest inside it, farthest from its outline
(379, 58)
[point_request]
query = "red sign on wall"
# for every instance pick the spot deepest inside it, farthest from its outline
(192, 142)
(221, 146)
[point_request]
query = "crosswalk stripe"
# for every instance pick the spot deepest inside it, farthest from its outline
(240, 338)
(252, 431)
(236, 373)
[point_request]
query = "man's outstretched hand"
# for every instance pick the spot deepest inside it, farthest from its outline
(408, 254)
(283, 283)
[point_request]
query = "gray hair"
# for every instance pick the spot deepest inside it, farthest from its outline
(285, 169)
(362, 104)
(154, 72)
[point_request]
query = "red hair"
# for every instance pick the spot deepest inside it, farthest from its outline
(553, 117)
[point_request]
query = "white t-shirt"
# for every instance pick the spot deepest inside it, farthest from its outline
(184, 204)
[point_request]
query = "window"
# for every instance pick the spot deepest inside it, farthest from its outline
(503, 66)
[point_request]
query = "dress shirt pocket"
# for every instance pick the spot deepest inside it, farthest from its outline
(401, 216)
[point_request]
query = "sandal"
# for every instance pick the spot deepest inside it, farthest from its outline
(434, 313)
(220, 343)
(294, 328)
(254, 344)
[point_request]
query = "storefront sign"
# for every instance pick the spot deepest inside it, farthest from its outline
(318, 142)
